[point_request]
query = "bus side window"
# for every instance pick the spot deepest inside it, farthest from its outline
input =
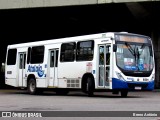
(108, 50)
(57, 52)
(37, 54)
(85, 50)
(21, 61)
(68, 52)
(28, 55)
(12, 55)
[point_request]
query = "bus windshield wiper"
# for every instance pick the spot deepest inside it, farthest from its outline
(142, 47)
(134, 53)
(130, 49)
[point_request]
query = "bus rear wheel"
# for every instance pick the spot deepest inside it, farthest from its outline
(32, 86)
(124, 93)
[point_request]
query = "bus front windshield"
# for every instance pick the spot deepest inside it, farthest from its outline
(134, 57)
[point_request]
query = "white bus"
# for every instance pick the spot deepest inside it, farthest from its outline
(113, 61)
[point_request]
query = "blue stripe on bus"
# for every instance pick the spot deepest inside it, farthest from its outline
(119, 84)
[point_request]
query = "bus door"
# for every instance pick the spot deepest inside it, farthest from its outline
(21, 68)
(53, 67)
(104, 65)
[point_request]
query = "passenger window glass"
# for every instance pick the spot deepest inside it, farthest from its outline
(67, 52)
(28, 55)
(56, 64)
(37, 54)
(85, 51)
(52, 59)
(22, 60)
(12, 55)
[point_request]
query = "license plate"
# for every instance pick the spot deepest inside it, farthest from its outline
(138, 88)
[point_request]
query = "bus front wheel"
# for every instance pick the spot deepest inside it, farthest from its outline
(90, 86)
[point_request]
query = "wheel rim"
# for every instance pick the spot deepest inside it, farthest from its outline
(32, 86)
(87, 87)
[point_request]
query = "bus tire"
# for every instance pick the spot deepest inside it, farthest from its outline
(32, 86)
(90, 87)
(124, 93)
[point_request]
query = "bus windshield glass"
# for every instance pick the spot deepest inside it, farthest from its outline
(133, 55)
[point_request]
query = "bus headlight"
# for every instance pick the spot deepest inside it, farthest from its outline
(145, 79)
(153, 77)
(120, 76)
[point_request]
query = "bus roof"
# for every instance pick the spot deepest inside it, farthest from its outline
(67, 39)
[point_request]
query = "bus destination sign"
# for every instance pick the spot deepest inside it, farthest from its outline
(129, 38)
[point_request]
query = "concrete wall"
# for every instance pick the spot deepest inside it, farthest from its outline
(10, 4)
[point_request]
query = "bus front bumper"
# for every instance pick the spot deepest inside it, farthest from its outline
(119, 84)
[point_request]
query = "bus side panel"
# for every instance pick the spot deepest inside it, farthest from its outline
(41, 83)
(39, 71)
(62, 83)
(71, 71)
(11, 75)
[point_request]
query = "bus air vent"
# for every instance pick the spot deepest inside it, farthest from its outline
(73, 83)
